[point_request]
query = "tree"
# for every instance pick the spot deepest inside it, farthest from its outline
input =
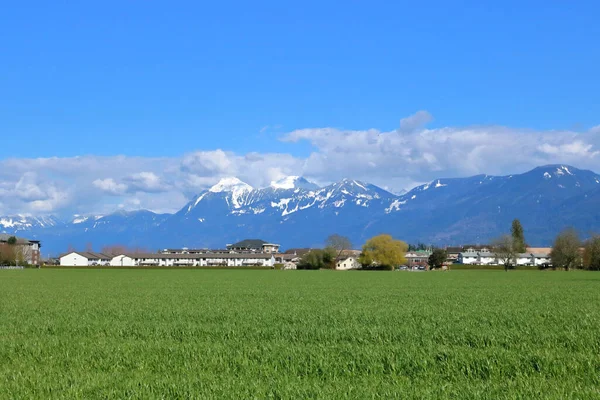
(317, 259)
(383, 252)
(565, 251)
(12, 240)
(518, 237)
(7, 254)
(437, 258)
(591, 253)
(504, 250)
(115, 250)
(339, 244)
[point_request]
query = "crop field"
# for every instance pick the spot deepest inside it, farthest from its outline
(299, 334)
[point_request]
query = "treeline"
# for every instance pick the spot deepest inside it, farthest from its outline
(380, 252)
(386, 253)
(568, 250)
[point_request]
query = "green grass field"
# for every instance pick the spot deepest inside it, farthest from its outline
(299, 334)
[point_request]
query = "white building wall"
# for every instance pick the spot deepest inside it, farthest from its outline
(487, 261)
(542, 260)
(348, 263)
(523, 260)
(469, 260)
(122, 261)
(74, 259)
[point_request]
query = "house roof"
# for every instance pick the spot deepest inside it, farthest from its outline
(539, 250)
(89, 255)
(5, 236)
(249, 244)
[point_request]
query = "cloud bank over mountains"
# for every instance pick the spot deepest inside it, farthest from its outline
(395, 160)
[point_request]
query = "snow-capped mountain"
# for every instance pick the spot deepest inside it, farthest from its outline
(297, 213)
(18, 223)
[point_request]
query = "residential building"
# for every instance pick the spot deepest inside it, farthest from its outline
(468, 257)
(254, 246)
(417, 258)
(85, 259)
(347, 262)
(25, 250)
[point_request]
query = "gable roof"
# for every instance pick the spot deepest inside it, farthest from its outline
(89, 255)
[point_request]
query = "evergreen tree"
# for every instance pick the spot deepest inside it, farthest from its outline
(518, 237)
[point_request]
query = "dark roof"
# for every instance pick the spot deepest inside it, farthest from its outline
(454, 249)
(89, 254)
(5, 236)
(249, 244)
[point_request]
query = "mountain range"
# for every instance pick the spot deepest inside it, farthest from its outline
(297, 213)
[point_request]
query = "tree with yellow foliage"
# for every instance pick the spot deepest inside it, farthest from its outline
(383, 252)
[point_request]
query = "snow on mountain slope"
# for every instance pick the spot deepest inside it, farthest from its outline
(294, 182)
(24, 222)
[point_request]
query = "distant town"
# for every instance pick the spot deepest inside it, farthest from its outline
(253, 253)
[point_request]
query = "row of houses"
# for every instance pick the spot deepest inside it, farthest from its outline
(532, 257)
(92, 259)
(249, 252)
(481, 255)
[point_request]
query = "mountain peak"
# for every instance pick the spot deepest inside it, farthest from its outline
(293, 182)
(556, 170)
(230, 184)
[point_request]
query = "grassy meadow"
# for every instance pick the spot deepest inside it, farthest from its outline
(299, 334)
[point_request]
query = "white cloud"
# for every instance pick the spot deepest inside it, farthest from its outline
(108, 185)
(395, 159)
(146, 182)
(415, 121)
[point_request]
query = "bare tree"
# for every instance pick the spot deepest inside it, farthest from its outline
(7, 254)
(115, 250)
(591, 254)
(339, 244)
(565, 252)
(505, 250)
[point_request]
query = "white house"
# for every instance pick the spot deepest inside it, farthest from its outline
(84, 259)
(122, 260)
(524, 259)
(468, 257)
(348, 262)
(541, 259)
(487, 258)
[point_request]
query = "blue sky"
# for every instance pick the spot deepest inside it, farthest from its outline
(155, 78)
(170, 79)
